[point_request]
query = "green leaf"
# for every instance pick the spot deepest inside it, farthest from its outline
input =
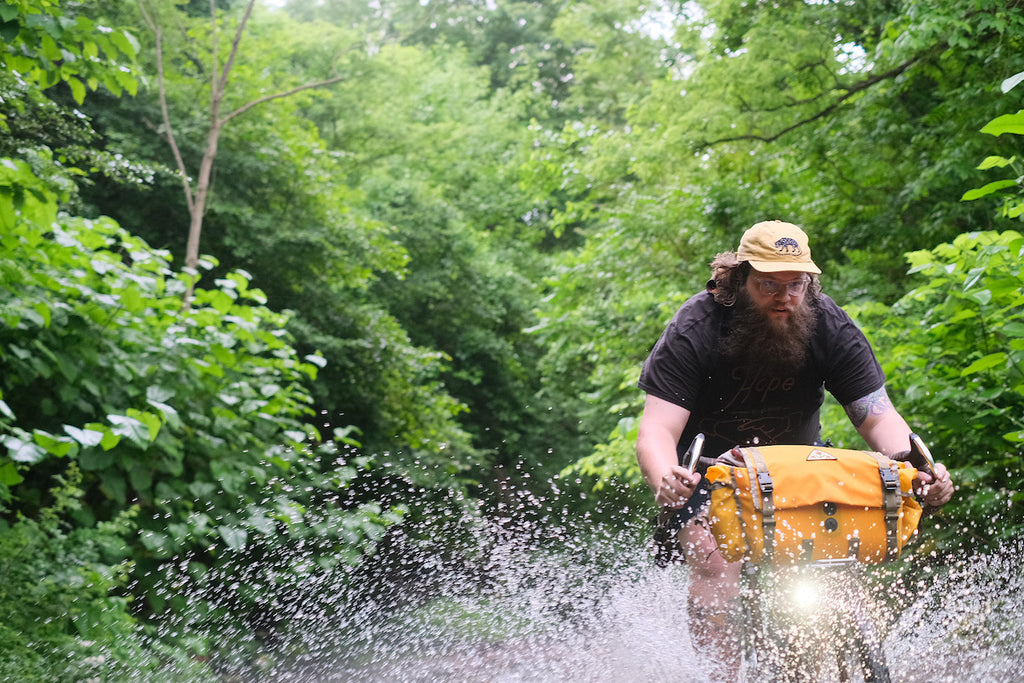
(132, 300)
(262, 523)
(1008, 84)
(995, 162)
(110, 439)
(296, 435)
(201, 489)
(55, 445)
(95, 460)
(316, 359)
(141, 479)
(151, 421)
(9, 474)
(982, 296)
(1008, 123)
(43, 310)
(158, 394)
(234, 537)
(154, 541)
(20, 450)
(86, 437)
(77, 89)
(984, 363)
(125, 42)
(986, 190)
(113, 485)
(131, 428)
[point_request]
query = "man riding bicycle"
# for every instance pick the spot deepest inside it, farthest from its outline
(747, 363)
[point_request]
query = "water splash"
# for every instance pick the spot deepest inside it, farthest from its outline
(967, 625)
(529, 600)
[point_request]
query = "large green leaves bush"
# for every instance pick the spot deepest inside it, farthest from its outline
(195, 417)
(953, 350)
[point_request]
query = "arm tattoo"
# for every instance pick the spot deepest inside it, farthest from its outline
(875, 403)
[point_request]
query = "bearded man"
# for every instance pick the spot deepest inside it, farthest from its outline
(747, 363)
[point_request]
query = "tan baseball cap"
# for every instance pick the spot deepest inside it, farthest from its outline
(775, 246)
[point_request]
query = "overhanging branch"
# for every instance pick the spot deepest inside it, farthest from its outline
(249, 105)
(847, 93)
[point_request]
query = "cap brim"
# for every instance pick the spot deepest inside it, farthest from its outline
(782, 267)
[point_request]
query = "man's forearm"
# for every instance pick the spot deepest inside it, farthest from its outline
(656, 456)
(887, 433)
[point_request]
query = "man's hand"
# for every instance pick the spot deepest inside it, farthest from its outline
(676, 487)
(937, 491)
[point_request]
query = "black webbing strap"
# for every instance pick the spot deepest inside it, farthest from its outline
(891, 500)
(764, 501)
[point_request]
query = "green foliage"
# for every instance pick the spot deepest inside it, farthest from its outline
(806, 112)
(611, 474)
(64, 610)
(1013, 124)
(953, 349)
(196, 417)
(305, 235)
(515, 43)
(48, 44)
(113, 361)
(455, 215)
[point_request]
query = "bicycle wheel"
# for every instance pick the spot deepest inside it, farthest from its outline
(779, 645)
(790, 642)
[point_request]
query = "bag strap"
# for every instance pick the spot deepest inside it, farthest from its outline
(765, 502)
(891, 501)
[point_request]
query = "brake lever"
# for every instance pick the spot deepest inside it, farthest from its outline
(693, 452)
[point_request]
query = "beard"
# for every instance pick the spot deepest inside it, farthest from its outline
(755, 338)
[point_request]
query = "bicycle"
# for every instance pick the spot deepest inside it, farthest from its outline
(808, 617)
(810, 622)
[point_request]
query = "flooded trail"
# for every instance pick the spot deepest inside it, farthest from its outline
(614, 617)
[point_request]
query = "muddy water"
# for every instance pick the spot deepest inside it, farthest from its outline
(604, 613)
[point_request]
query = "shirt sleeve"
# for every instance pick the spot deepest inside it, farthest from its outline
(676, 368)
(853, 370)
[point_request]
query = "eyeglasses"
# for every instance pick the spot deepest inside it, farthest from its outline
(773, 288)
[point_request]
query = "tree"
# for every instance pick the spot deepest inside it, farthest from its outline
(219, 73)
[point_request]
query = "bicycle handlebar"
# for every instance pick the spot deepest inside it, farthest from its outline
(693, 452)
(919, 456)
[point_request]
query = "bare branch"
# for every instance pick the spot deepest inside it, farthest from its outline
(234, 45)
(249, 105)
(168, 132)
(848, 92)
(216, 84)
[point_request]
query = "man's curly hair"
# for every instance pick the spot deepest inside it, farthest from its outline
(729, 275)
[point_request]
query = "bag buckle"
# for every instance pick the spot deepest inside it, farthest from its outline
(890, 481)
(764, 482)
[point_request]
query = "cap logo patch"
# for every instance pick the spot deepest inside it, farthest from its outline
(787, 246)
(817, 454)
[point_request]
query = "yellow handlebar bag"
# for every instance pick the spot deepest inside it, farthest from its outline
(789, 504)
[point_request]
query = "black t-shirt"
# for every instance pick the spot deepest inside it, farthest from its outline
(741, 405)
